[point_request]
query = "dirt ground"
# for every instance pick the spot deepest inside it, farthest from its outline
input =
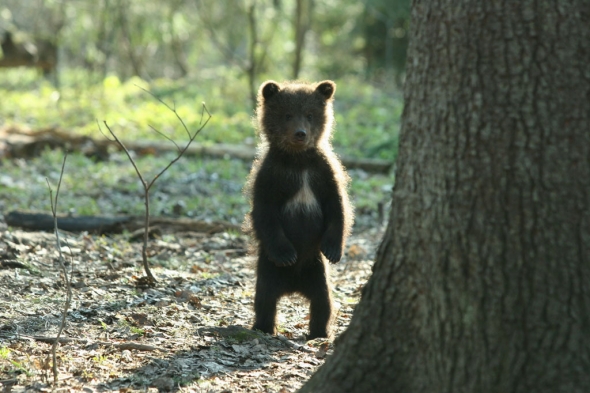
(188, 333)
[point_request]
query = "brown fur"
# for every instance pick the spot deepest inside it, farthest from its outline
(300, 213)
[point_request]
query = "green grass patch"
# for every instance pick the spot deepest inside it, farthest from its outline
(206, 188)
(209, 189)
(4, 353)
(367, 126)
(367, 118)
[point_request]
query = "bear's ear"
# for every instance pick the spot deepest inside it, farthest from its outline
(269, 89)
(326, 89)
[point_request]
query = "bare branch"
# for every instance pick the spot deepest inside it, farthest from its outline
(172, 109)
(146, 186)
(164, 135)
(146, 266)
(102, 132)
(203, 110)
(191, 139)
(126, 152)
(121, 346)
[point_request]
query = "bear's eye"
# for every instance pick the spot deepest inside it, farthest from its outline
(309, 117)
(288, 117)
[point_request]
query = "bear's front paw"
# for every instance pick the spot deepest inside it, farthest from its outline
(283, 255)
(332, 250)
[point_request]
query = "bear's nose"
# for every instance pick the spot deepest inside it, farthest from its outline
(300, 135)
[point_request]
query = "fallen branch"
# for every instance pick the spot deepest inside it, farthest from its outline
(17, 143)
(133, 346)
(117, 224)
(12, 265)
(120, 346)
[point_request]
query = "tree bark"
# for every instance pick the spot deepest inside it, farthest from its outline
(301, 24)
(252, 68)
(482, 281)
(134, 58)
(176, 42)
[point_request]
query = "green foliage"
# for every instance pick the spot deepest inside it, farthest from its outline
(367, 124)
(243, 335)
(368, 191)
(17, 368)
(99, 359)
(208, 188)
(367, 120)
(173, 38)
(4, 353)
(385, 26)
(367, 117)
(136, 330)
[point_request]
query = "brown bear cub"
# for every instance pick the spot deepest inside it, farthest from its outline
(300, 208)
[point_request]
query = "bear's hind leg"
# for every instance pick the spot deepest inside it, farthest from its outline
(269, 289)
(321, 316)
(319, 292)
(265, 307)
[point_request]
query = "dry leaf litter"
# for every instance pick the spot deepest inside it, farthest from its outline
(188, 333)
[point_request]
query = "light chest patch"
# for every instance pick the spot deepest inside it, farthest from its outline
(304, 199)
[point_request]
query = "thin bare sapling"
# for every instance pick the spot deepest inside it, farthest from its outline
(147, 185)
(62, 266)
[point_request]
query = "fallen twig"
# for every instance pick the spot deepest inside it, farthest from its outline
(121, 346)
(12, 265)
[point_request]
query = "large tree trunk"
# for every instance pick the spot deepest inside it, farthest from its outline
(482, 282)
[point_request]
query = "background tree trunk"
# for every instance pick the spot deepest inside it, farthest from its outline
(301, 24)
(482, 282)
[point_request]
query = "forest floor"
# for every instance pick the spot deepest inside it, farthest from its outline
(188, 333)
(191, 331)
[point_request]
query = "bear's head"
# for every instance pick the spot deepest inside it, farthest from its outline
(294, 116)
